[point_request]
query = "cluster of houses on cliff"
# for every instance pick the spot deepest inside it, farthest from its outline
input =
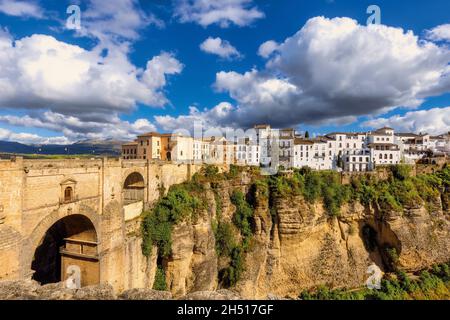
(266, 146)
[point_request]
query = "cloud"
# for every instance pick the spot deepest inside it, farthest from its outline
(334, 70)
(220, 47)
(267, 48)
(40, 72)
(29, 138)
(75, 129)
(433, 121)
(82, 93)
(78, 92)
(209, 118)
(115, 22)
(223, 13)
(439, 33)
(21, 8)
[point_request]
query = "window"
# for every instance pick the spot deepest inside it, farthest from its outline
(391, 156)
(68, 194)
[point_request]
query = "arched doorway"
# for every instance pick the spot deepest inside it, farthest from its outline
(134, 188)
(69, 244)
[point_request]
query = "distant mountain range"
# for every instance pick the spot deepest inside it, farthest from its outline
(94, 147)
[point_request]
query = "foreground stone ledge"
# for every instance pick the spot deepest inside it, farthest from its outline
(32, 290)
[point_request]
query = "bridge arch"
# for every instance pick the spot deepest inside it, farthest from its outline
(134, 187)
(61, 240)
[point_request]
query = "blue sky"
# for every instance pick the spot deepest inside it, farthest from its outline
(100, 84)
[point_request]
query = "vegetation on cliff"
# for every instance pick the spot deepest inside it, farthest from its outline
(181, 202)
(399, 190)
(432, 284)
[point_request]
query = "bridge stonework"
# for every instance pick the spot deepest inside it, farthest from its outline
(37, 194)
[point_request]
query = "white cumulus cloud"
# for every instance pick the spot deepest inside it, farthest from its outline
(220, 47)
(41, 72)
(267, 48)
(439, 33)
(77, 91)
(334, 70)
(432, 121)
(221, 12)
(114, 23)
(20, 8)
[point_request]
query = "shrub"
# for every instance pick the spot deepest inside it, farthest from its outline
(160, 280)
(432, 284)
(231, 275)
(233, 172)
(157, 225)
(243, 216)
(224, 239)
(401, 171)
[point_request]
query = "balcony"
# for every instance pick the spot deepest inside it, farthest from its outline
(79, 248)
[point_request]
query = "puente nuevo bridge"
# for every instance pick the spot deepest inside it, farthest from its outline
(59, 217)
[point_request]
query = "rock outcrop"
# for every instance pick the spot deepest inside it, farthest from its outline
(31, 290)
(302, 246)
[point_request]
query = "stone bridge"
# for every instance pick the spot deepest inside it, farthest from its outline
(80, 218)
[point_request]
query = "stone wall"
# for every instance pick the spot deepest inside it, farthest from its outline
(32, 200)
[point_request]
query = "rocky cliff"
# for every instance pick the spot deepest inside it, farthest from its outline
(297, 244)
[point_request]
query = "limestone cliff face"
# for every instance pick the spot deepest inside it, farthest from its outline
(193, 264)
(301, 246)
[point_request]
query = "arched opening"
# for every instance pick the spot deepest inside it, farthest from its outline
(68, 194)
(69, 244)
(133, 189)
(381, 243)
(168, 156)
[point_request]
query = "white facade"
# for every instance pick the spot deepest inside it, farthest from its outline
(314, 154)
(264, 135)
(349, 151)
(385, 154)
(253, 154)
(182, 148)
(358, 161)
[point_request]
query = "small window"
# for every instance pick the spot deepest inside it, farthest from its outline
(68, 194)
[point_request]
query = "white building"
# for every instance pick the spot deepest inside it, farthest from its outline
(182, 148)
(264, 138)
(336, 151)
(358, 161)
(253, 153)
(285, 147)
(314, 154)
